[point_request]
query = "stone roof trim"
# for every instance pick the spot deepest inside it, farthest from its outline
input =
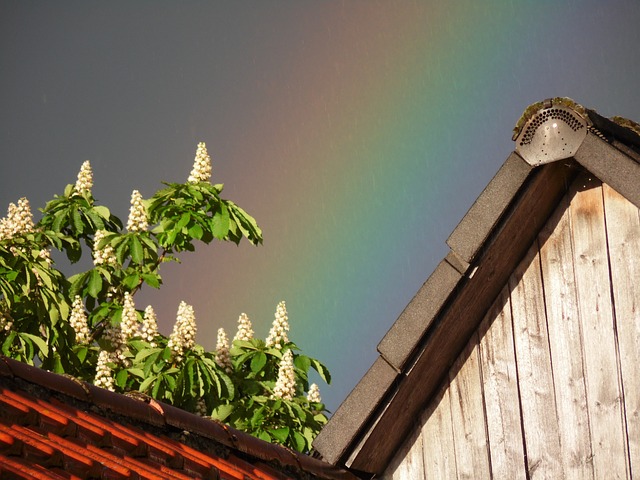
(353, 413)
(476, 226)
(145, 410)
(422, 344)
(404, 335)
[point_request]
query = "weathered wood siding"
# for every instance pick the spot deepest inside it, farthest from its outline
(549, 386)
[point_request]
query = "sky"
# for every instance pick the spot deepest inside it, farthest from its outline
(357, 133)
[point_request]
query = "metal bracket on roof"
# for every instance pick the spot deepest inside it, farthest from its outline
(553, 133)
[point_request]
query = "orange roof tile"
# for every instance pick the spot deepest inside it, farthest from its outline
(52, 426)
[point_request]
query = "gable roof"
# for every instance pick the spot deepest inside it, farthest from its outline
(54, 426)
(555, 140)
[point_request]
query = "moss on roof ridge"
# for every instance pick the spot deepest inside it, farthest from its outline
(534, 108)
(626, 123)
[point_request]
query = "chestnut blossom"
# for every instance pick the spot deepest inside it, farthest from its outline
(78, 320)
(105, 255)
(137, 221)
(183, 336)
(201, 171)
(201, 408)
(149, 327)
(85, 178)
(313, 396)
(129, 323)
(19, 220)
(5, 323)
(223, 359)
(245, 330)
(278, 333)
(119, 335)
(286, 384)
(45, 254)
(104, 372)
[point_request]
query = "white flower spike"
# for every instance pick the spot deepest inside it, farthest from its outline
(78, 320)
(183, 336)
(137, 221)
(105, 255)
(278, 333)
(245, 330)
(85, 178)
(19, 220)
(286, 384)
(223, 359)
(314, 394)
(104, 374)
(201, 171)
(149, 328)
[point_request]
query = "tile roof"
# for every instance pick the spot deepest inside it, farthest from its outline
(54, 426)
(555, 139)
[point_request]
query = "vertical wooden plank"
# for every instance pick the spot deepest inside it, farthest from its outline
(502, 407)
(608, 435)
(467, 414)
(437, 437)
(535, 379)
(623, 236)
(565, 342)
(407, 464)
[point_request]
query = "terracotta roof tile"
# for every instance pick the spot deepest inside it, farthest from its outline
(52, 426)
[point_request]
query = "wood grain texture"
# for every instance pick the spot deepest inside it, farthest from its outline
(535, 376)
(623, 239)
(408, 464)
(437, 435)
(604, 395)
(502, 408)
(565, 342)
(467, 415)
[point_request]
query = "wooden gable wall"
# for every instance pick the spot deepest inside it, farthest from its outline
(549, 385)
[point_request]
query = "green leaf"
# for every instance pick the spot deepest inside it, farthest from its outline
(59, 220)
(299, 442)
(121, 378)
(303, 363)
(144, 386)
(102, 211)
(222, 412)
(42, 346)
(258, 362)
(221, 222)
(322, 370)
(78, 226)
(262, 435)
(280, 434)
(95, 284)
(136, 250)
(121, 252)
(184, 219)
(196, 231)
(151, 279)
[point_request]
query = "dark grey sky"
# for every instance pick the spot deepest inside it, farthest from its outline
(357, 133)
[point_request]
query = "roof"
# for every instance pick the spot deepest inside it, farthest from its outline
(555, 140)
(54, 426)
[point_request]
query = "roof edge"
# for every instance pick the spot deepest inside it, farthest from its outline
(144, 409)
